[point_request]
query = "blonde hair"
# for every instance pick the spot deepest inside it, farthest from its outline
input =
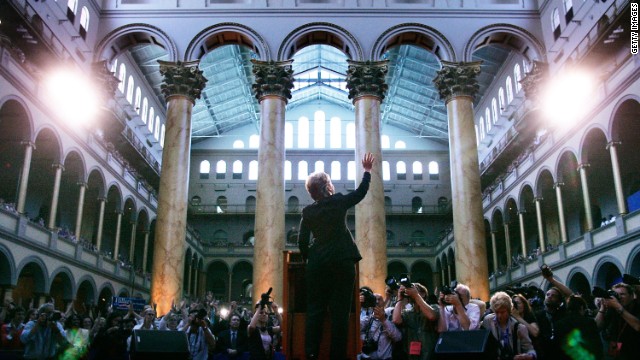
(318, 184)
(501, 300)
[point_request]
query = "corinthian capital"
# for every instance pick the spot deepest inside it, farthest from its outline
(272, 78)
(366, 78)
(457, 79)
(182, 78)
(534, 79)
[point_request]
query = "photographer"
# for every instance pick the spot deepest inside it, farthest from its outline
(418, 323)
(512, 337)
(42, 337)
(199, 335)
(111, 341)
(619, 316)
(11, 331)
(260, 334)
(391, 292)
(456, 312)
(554, 310)
(377, 331)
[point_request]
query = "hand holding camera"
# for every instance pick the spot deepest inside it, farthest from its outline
(546, 271)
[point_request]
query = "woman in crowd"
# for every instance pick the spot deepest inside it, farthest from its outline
(513, 337)
(524, 314)
(77, 337)
(260, 335)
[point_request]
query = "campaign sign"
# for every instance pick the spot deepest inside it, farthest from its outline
(122, 303)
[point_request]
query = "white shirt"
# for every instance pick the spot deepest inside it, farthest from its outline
(452, 322)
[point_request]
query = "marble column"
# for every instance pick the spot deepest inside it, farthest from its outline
(145, 252)
(102, 201)
(83, 189)
(189, 272)
(507, 244)
(367, 87)
(55, 196)
(617, 178)
(24, 176)
(582, 169)
(183, 83)
(116, 246)
(563, 227)
(523, 240)
(272, 88)
(229, 285)
(494, 249)
(457, 85)
(132, 243)
(538, 201)
(195, 281)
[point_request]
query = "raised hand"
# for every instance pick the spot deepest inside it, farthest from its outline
(367, 162)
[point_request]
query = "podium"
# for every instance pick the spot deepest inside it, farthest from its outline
(294, 303)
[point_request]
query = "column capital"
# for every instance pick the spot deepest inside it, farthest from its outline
(182, 79)
(558, 184)
(28, 143)
(522, 212)
(457, 79)
(583, 166)
(82, 184)
(105, 78)
(272, 78)
(102, 198)
(538, 199)
(366, 78)
(533, 80)
(57, 166)
(611, 144)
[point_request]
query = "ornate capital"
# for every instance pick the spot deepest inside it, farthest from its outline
(182, 78)
(582, 166)
(533, 80)
(272, 78)
(106, 79)
(366, 78)
(457, 79)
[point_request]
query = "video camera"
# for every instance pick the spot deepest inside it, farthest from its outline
(599, 292)
(369, 298)
(265, 299)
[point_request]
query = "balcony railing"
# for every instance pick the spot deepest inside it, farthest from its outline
(236, 209)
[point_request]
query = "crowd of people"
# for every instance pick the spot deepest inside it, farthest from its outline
(526, 323)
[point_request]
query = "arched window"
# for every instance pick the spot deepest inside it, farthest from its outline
(568, 10)
(351, 170)
(237, 170)
(477, 135)
(501, 103)
(162, 130)
(517, 76)
(481, 123)
(401, 170)
(221, 204)
(84, 22)
(303, 133)
(351, 135)
(221, 169)
(434, 170)
(250, 207)
(156, 131)
(130, 85)
(136, 103)
(205, 168)
(122, 75)
(318, 166)
(238, 144)
(293, 205)
(400, 145)
(385, 143)
(416, 205)
(319, 129)
(72, 5)
(303, 170)
(416, 168)
(145, 108)
(335, 141)
(253, 170)
(114, 66)
(287, 170)
(335, 170)
(487, 114)
(151, 119)
(254, 141)
(555, 23)
(494, 110)
(386, 171)
(288, 135)
(509, 87)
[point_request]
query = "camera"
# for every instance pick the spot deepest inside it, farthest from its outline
(546, 271)
(392, 283)
(54, 316)
(630, 280)
(201, 314)
(265, 298)
(369, 346)
(369, 298)
(449, 289)
(599, 292)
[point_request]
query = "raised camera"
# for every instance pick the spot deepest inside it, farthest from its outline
(599, 292)
(546, 271)
(369, 299)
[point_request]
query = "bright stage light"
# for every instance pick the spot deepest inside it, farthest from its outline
(73, 97)
(224, 312)
(566, 99)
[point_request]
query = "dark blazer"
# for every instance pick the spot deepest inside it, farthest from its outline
(326, 219)
(224, 341)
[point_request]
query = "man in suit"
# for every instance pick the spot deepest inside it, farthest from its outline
(233, 341)
(330, 270)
